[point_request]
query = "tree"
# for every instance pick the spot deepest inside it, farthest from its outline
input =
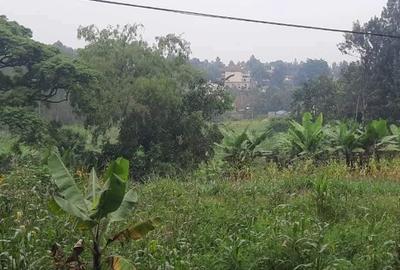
(352, 97)
(310, 70)
(345, 140)
(279, 73)
(317, 96)
(257, 70)
(379, 63)
(162, 105)
(214, 70)
(32, 72)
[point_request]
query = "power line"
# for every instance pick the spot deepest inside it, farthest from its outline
(215, 16)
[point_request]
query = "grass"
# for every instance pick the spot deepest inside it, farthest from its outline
(256, 124)
(306, 217)
(303, 217)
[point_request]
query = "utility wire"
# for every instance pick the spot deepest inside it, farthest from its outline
(215, 16)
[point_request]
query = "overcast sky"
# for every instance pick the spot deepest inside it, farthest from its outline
(53, 20)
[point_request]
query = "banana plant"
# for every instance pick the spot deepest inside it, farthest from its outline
(344, 139)
(395, 130)
(96, 212)
(376, 139)
(240, 150)
(306, 137)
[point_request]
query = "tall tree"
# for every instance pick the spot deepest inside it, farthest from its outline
(317, 96)
(32, 72)
(160, 103)
(379, 62)
(310, 70)
(257, 70)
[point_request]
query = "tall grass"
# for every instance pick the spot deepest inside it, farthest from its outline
(301, 217)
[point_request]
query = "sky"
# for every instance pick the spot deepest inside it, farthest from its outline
(52, 20)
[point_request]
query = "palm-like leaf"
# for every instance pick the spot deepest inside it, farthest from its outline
(306, 137)
(113, 194)
(126, 207)
(102, 206)
(70, 199)
(240, 150)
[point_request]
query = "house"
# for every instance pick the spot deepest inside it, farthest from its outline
(238, 80)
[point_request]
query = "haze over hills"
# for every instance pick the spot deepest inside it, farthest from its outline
(51, 20)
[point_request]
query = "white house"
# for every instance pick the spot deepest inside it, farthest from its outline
(238, 80)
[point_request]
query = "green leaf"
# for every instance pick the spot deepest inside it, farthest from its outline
(119, 167)
(54, 208)
(94, 188)
(71, 199)
(119, 263)
(110, 198)
(127, 206)
(71, 209)
(113, 194)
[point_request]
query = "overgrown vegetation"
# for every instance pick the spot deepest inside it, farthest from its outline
(320, 216)
(316, 190)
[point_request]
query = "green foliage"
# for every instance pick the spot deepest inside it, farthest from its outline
(358, 145)
(317, 96)
(345, 139)
(109, 203)
(161, 105)
(376, 139)
(278, 124)
(27, 125)
(306, 137)
(73, 146)
(240, 150)
(320, 216)
(374, 83)
(32, 73)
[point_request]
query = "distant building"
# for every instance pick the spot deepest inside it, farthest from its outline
(238, 80)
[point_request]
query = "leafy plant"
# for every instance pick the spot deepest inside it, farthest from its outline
(376, 139)
(345, 140)
(306, 137)
(96, 211)
(395, 130)
(240, 150)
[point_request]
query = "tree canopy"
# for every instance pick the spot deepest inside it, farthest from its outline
(32, 72)
(379, 64)
(161, 104)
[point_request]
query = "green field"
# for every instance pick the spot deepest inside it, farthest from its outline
(256, 124)
(304, 217)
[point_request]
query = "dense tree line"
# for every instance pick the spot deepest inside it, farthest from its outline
(161, 106)
(273, 82)
(368, 88)
(162, 102)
